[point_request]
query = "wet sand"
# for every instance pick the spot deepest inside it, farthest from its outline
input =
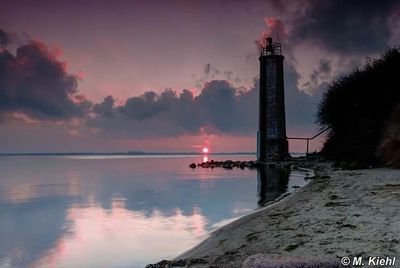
(339, 213)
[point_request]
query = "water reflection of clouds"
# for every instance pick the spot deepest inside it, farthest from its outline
(116, 237)
(28, 229)
(79, 213)
(25, 193)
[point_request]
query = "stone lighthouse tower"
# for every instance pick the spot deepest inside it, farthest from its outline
(272, 142)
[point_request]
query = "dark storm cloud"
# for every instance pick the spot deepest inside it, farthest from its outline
(219, 108)
(34, 83)
(321, 73)
(348, 26)
(6, 38)
(105, 108)
(340, 32)
(300, 107)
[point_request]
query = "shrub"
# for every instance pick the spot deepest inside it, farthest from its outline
(358, 108)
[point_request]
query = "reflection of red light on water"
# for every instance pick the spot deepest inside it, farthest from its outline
(205, 152)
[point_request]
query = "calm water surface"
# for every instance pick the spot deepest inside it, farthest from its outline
(110, 211)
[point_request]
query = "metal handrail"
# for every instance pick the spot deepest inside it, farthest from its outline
(310, 138)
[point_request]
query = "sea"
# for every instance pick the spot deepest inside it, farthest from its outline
(122, 210)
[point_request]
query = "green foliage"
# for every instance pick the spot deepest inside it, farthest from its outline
(358, 107)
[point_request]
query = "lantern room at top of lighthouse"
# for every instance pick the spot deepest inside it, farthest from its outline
(270, 48)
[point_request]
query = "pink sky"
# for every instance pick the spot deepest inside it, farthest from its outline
(125, 48)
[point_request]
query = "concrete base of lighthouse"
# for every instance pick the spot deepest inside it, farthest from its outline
(272, 149)
(277, 149)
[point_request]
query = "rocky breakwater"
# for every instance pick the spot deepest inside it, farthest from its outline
(229, 164)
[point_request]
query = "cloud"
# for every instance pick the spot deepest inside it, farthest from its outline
(34, 84)
(321, 40)
(341, 32)
(170, 113)
(6, 38)
(319, 76)
(275, 28)
(346, 26)
(211, 72)
(220, 108)
(105, 108)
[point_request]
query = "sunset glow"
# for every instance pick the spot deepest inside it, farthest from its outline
(170, 133)
(98, 230)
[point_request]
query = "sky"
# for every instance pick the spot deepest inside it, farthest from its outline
(177, 75)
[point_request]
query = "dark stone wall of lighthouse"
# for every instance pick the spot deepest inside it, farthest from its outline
(272, 124)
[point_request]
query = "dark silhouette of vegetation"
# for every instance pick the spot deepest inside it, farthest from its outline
(389, 149)
(359, 108)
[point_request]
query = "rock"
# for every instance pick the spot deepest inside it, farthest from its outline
(291, 247)
(333, 197)
(351, 226)
(256, 164)
(227, 166)
(192, 165)
(176, 263)
(336, 204)
(192, 262)
(246, 164)
(161, 264)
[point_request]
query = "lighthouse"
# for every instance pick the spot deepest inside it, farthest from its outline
(272, 142)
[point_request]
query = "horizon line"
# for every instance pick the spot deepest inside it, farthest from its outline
(129, 153)
(121, 153)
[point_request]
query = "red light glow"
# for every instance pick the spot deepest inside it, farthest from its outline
(205, 150)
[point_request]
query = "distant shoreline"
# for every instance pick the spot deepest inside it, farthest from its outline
(126, 153)
(138, 153)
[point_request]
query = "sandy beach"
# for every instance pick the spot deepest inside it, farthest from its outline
(339, 213)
